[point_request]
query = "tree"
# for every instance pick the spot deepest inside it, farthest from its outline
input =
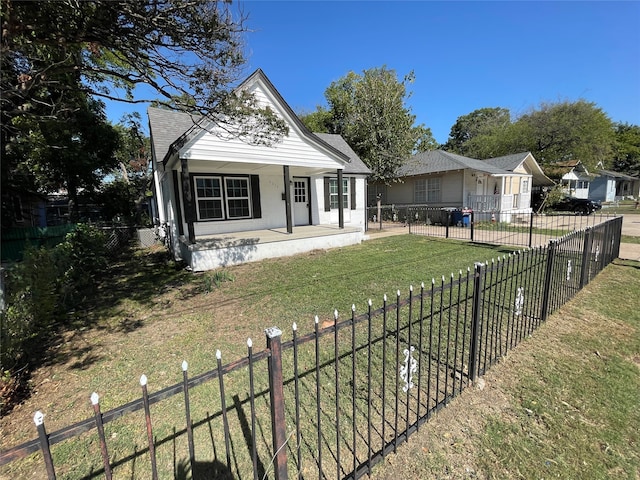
(189, 53)
(72, 152)
(369, 112)
(481, 124)
(567, 131)
(124, 196)
(553, 132)
(627, 149)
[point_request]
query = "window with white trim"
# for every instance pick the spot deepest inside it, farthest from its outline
(427, 190)
(333, 193)
(222, 198)
(237, 196)
(209, 198)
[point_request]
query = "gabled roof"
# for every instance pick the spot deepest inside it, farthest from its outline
(166, 127)
(435, 161)
(559, 169)
(513, 161)
(170, 130)
(356, 165)
(509, 162)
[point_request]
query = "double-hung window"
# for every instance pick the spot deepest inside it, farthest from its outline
(427, 190)
(333, 193)
(237, 196)
(220, 198)
(209, 198)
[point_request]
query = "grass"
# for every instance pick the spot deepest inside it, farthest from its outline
(151, 315)
(562, 405)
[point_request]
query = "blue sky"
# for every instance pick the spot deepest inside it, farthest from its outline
(465, 55)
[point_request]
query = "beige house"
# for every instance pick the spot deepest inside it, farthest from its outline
(498, 187)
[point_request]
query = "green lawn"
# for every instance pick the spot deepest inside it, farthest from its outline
(151, 315)
(564, 404)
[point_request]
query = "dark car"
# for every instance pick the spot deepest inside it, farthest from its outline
(579, 206)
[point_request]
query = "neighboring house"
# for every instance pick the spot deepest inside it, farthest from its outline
(608, 186)
(572, 176)
(223, 201)
(496, 188)
(22, 208)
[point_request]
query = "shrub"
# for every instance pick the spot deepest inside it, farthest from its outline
(38, 290)
(79, 259)
(32, 301)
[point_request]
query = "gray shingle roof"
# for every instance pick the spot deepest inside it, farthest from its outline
(435, 161)
(621, 176)
(508, 162)
(355, 165)
(166, 127)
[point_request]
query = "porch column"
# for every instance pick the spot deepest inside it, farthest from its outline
(287, 198)
(187, 196)
(340, 200)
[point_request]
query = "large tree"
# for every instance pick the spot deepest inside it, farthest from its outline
(189, 53)
(553, 132)
(72, 152)
(369, 111)
(57, 59)
(471, 131)
(627, 149)
(567, 131)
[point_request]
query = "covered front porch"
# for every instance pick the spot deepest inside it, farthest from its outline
(215, 251)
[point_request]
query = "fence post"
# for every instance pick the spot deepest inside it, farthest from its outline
(586, 257)
(276, 393)
(530, 229)
(618, 236)
(548, 278)
(38, 419)
(472, 220)
(476, 320)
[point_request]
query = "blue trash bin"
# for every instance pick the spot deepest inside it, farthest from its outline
(466, 217)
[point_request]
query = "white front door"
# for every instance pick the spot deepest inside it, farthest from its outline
(301, 201)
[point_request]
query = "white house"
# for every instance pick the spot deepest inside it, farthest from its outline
(572, 176)
(499, 187)
(223, 201)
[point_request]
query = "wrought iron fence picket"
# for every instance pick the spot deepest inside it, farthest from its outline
(469, 323)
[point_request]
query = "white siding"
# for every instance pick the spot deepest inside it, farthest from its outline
(294, 149)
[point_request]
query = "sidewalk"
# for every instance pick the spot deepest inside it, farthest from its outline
(630, 251)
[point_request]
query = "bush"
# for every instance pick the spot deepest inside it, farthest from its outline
(79, 259)
(32, 301)
(40, 289)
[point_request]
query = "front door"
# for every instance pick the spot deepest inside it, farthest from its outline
(301, 201)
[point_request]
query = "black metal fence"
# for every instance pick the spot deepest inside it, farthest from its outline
(520, 229)
(333, 402)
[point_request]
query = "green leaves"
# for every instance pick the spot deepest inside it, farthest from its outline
(553, 132)
(369, 112)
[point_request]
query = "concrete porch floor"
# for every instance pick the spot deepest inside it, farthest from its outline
(225, 240)
(214, 251)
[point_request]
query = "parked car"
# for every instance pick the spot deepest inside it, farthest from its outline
(579, 206)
